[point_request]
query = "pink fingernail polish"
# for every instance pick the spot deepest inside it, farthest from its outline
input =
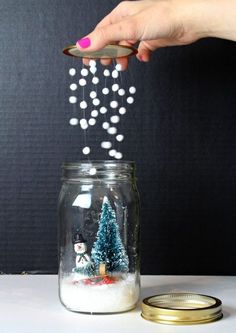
(84, 42)
(141, 58)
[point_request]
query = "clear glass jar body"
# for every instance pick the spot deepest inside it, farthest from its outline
(99, 237)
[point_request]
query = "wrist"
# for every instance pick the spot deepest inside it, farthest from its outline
(207, 18)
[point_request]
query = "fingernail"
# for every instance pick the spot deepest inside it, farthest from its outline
(84, 42)
(141, 57)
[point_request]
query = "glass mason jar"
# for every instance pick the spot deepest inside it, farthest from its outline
(99, 237)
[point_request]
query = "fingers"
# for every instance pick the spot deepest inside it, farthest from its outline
(126, 29)
(144, 51)
(146, 48)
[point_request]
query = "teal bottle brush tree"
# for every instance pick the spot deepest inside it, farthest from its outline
(108, 253)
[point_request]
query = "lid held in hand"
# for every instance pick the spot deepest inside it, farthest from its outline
(108, 52)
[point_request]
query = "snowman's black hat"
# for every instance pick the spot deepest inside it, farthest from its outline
(78, 238)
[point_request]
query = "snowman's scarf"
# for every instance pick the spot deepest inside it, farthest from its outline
(81, 256)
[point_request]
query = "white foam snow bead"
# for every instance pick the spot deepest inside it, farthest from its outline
(93, 70)
(121, 92)
(115, 87)
(93, 171)
(112, 130)
(94, 113)
(82, 82)
(120, 137)
(74, 121)
(72, 99)
(92, 63)
(92, 121)
(86, 150)
(103, 110)
(72, 71)
(132, 90)
(118, 155)
(96, 101)
(83, 123)
(106, 144)
(105, 91)
(83, 105)
(93, 94)
(118, 67)
(84, 72)
(106, 72)
(113, 104)
(95, 80)
(122, 110)
(105, 125)
(130, 100)
(73, 86)
(115, 74)
(115, 119)
(84, 126)
(112, 152)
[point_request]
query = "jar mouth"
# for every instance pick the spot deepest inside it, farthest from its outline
(99, 170)
(77, 164)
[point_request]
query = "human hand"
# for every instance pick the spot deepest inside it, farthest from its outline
(160, 23)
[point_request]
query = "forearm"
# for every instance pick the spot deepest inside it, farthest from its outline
(208, 18)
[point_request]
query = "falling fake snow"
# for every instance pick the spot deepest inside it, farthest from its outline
(117, 105)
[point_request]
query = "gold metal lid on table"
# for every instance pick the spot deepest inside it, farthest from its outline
(182, 309)
(108, 52)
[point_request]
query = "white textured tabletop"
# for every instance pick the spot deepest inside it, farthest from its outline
(29, 303)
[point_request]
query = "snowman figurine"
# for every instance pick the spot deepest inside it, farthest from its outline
(83, 265)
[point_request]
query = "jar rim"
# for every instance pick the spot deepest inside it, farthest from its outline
(73, 165)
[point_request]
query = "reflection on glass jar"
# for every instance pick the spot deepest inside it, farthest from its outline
(99, 237)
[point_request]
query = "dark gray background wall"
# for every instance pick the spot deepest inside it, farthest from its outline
(185, 117)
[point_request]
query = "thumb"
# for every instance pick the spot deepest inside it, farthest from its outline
(126, 29)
